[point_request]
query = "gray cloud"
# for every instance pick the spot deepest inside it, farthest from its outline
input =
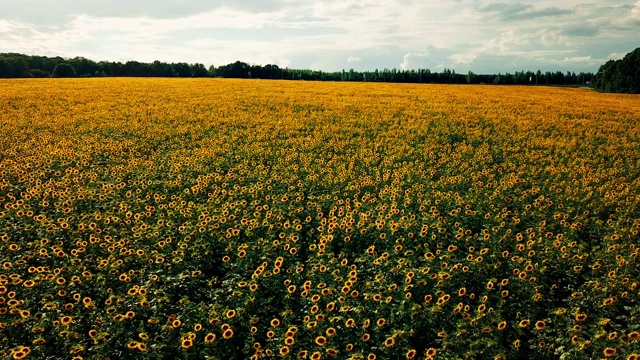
(581, 30)
(521, 11)
(60, 11)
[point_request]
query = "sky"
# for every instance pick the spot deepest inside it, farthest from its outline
(483, 36)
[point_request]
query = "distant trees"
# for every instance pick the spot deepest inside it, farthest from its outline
(198, 70)
(620, 76)
(14, 65)
(19, 65)
(64, 70)
(471, 78)
(11, 67)
(236, 70)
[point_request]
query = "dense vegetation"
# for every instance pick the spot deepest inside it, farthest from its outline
(24, 66)
(226, 219)
(620, 76)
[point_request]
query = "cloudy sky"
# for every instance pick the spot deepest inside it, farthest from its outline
(485, 36)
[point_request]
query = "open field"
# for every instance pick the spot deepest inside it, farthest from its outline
(149, 218)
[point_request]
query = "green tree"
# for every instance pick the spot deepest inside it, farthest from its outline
(13, 67)
(198, 70)
(620, 76)
(212, 71)
(182, 69)
(471, 77)
(64, 70)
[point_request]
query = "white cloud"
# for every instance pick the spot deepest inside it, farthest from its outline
(353, 59)
(616, 56)
(635, 12)
(415, 61)
(577, 59)
(550, 38)
(463, 58)
(6, 26)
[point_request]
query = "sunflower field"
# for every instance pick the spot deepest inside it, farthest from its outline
(236, 219)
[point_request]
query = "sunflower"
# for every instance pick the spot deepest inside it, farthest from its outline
(186, 343)
(321, 340)
(284, 351)
(66, 320)
(411, 354)
(389, 342)
(209, 338)
(227, 334)
(609, 352)
(540, 325)
(561, 311)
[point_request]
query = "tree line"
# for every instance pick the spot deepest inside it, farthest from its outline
(620, 76)
(14, 65)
